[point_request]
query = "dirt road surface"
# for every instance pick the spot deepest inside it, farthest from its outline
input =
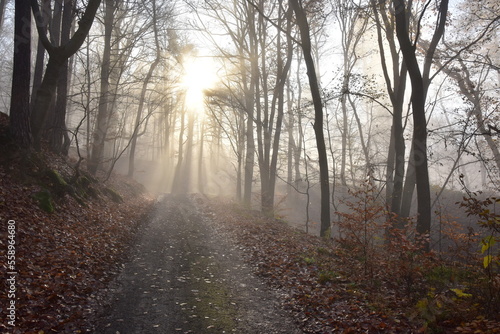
(185, 276)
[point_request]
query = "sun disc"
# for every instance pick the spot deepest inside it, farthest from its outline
(199, 75)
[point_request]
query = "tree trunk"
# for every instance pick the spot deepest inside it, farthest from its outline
(44, 97)
(187, 169)
(57, 57)
(263, 119)
(58, 131)
(283, 70)
(419, 84)
(272, 118)
(396, 90)
(20, 97)
(249, 106)
(142, 98)
(177, 181)
(240, 155)
(300, 140)
(409, 187)
(343, 161)
(291, 143)
(102, 121)
(399, 158)
(40, 53)
(201, 165)
(318, 116)
(364, 145)
(389, 174)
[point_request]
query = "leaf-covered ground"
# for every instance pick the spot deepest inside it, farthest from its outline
(322, 301)
(62, 259)
(326, 287)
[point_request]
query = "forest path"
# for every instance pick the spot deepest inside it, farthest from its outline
(186, 277)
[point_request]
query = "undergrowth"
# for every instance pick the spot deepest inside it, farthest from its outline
(458, 287)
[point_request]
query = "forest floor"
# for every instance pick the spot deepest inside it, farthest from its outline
(63, 237)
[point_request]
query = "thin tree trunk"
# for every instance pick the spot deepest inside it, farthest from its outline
(343, 161)
(40, 53)
(396, 90)
(408, 188)
(283, 70)
(88, 100)
(318, 116)
(177, 182)
(102, 121)
(300, 140)
(249, 105)
(201, 165)
(420, 84)
(389, 174)
(241, 154)
(142, 98)
(263, 126)
(58, 129)
(364, 145)
(291, 143)
(187, 169)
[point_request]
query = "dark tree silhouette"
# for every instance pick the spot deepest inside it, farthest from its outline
(58, 55)
(20, 98)
(419, 83)
(318, 114)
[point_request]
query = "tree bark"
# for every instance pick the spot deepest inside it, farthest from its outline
(3, 3)
(291, 142)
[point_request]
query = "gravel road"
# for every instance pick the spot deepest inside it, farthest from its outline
(184, 276)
